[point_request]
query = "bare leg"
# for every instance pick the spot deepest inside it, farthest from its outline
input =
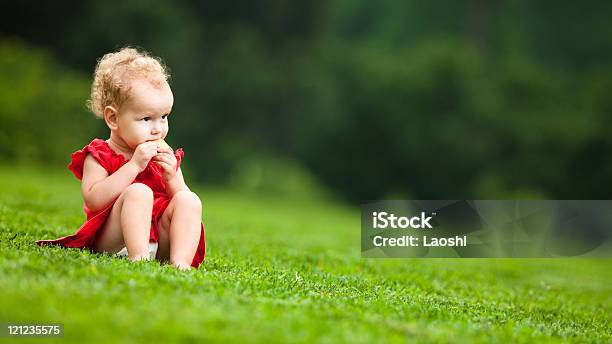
(129, 223)
(179, 229)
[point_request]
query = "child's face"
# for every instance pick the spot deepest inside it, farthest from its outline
(144, 115)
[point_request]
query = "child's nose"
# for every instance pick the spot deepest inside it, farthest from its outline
(156, 128)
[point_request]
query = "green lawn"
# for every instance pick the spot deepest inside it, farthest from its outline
(280, 270)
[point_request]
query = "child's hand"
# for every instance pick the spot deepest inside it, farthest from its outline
(143, 154)
(167, 161)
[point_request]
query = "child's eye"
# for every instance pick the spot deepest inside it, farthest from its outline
(164, 116)
(146, 119)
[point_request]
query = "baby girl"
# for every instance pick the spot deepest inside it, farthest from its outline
(135, 198)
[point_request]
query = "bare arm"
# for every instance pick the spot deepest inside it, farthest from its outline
(99, 189)
(176, 184)
(173, 176)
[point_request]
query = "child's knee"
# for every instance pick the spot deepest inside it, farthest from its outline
(188, 199)
(139, 191)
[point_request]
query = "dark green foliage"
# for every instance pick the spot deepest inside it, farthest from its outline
(439, 99)
(43, 114)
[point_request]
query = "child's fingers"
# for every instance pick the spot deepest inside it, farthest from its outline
(166, 161)
(167, 154)
(163, 165)
(164, 157)
(164, 150)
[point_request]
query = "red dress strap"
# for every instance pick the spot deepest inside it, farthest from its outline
(100, 150)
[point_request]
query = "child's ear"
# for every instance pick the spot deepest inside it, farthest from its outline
(110, 117)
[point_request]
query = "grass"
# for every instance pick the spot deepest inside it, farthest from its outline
(280, 270)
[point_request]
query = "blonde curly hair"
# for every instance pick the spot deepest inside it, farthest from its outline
(113, 73)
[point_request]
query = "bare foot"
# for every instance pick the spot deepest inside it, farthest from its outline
(182, 266)
(140, 258)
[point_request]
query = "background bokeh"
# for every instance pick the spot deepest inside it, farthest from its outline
(354, 99)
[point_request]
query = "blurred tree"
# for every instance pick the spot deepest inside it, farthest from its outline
(434, 99)
(43, 114)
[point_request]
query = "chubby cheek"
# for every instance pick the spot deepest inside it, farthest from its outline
(144, 128)
(137, 133)
(165, 129)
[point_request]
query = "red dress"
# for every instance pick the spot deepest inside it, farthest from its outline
(151, 176)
